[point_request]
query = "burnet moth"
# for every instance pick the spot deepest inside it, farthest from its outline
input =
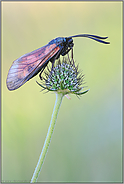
(30, 64)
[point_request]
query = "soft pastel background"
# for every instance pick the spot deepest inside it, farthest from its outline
(87, 142)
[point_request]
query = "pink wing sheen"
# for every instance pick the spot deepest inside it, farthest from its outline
(27, 65)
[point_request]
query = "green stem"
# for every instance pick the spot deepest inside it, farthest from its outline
(59, 97)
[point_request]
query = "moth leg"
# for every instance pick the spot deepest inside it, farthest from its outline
(72, 53)
(54, 58)
(72, 60)
(53, 61)
(41, 72)
(71, 56)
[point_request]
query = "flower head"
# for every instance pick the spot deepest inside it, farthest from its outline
(64, 77)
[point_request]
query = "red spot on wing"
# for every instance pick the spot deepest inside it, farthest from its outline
(27, 65)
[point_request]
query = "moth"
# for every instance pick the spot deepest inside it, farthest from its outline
(30, 64)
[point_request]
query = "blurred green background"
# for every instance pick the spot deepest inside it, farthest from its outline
(87, 142)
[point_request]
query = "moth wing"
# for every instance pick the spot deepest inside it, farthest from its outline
(28, 65)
